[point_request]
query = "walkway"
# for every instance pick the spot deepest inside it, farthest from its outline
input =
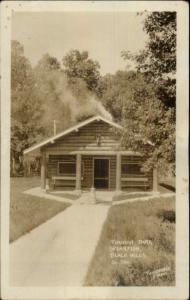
(96, 197)
(59, 251)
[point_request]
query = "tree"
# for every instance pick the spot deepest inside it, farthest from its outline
(157, 63)
(64, 99)
(25, 109)
(77, 64)
(117, 92)
(158, 60)
(43, 94)
(20, 66)
(47, 63)
(149, 127)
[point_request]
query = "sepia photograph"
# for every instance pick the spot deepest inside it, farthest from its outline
(93, 134)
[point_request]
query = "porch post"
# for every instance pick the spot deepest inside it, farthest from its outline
(43, 170)
(118, 172)
(155, 179)
(78, 172)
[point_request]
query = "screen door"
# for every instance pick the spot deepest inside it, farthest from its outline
(101, 173)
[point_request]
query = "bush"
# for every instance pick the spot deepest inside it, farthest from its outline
(166, 215)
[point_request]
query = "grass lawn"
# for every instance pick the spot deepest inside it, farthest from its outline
(27, 212)
(136, 246)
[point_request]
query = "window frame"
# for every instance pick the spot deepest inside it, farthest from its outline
(65, 174)
(70, 174)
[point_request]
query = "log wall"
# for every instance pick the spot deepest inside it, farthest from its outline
(95, 136)
(130, 185)
(52, 169)
(87, 170)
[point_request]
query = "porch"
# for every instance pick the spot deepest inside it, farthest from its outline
(110, 170)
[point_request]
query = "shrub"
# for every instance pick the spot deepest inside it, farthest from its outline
(166, 215)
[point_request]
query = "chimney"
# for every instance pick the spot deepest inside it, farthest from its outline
(54, 127)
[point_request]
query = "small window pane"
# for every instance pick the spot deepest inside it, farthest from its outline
(67, 168)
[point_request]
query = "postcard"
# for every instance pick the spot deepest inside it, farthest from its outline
(94, 150)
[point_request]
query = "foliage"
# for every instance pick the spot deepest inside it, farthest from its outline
(158, 60)
(156, 111)
(77, 64)
(47, 63)
(47, 93)
(120, 92)
(142, 100)
(66, 95)
(134, 103)
(25, 109)
(149, 126)
(63, 100)
(167, 215)
(117, 92)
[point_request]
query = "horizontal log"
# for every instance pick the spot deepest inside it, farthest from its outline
(90, 136)
(62, 157)
(82, 139)
(131, 159)
(65, 184)
(89, 153)
(64, 177)
(136, 179)
(87, 138)
(135, 185)
(86, 147)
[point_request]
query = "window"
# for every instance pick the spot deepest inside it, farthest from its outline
(67, 168)
(131, 169)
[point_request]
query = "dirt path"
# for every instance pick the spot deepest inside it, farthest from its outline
(59, 251)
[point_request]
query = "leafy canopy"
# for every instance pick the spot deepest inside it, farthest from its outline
(77, 64)
(156, 111)
(26, 128)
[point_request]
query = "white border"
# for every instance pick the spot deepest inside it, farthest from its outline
(181, 289)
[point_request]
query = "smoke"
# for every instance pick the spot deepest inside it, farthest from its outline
(70, 101)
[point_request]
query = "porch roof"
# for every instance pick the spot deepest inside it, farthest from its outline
(94, 153)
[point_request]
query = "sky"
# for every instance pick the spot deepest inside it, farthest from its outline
(103, 34)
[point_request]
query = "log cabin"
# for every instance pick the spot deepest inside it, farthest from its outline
(88, 155)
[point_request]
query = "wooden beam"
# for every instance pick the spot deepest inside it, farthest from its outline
(78, 172)
(87, 152)
(118, 172)
(43, 170)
